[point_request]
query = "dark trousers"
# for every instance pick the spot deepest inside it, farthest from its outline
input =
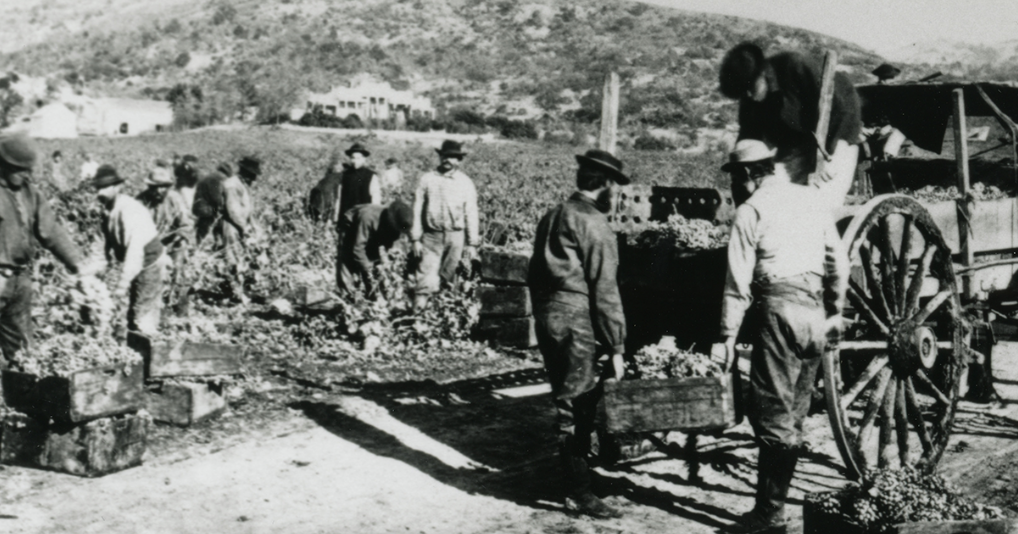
(145, 302)
(443, 252)
(15, 315)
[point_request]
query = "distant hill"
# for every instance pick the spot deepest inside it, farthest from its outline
(513, 57)
(960, 61)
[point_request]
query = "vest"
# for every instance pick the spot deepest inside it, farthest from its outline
(356, 188)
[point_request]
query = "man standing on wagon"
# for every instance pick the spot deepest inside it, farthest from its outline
(779, 99)
(785, 258)
(579, 316)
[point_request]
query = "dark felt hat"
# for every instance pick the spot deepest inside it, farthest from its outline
(189, 158)
(18, 150)
(106, 176)
(398, 216)
(251, 165)
(225, 169)
(886, 71)
(357, 147)
(603, 161)
(741, 67)
(451, 148)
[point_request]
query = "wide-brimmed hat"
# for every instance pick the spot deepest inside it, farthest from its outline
(159, 176)
(250, 164)
(451, 148)
(748, 151)
(18, 150)
(740, 68)
(399, 216)
(603, 161)
(225, 169)
(357, 147)
(886, 71)
(106, 176)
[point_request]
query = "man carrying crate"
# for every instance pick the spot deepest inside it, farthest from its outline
(784, 258)
(579, 316)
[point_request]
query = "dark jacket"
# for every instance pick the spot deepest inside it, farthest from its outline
(322, 198)
(26, 218)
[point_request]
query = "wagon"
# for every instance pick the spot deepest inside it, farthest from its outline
(924, 276)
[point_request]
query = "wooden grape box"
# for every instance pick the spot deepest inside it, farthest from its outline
(89, 449)
(683, 404)
(815, 521)
(505, 301)
(82, 396)
(184, 404)
(185, 358)
(504, 267)
(516, 332)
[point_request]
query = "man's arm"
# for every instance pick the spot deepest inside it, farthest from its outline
(334, 217)
(238, 207)
(472, 215)
(417, 228)
(375, 190)
(52, 235)
(600, 265)
(741, 264)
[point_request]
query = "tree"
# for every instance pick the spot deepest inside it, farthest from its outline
(550, 99)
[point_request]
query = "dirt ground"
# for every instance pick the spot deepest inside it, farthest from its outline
(472, 456)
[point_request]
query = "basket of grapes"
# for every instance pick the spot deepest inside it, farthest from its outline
(667, 388)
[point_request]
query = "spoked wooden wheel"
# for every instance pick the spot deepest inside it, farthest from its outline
(892, 389)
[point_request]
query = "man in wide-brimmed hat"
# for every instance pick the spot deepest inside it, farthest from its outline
(369, 230)
(446, 225)
(25, 218)
(132, 239)
(578, 313)
(779, 100)
(175, 224)
(784, 258)
(186, 173)
(359, 183)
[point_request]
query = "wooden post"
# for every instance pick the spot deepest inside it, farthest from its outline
(609, 113)
(961, 154)
(826, 101)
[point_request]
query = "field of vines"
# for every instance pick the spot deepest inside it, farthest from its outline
(360, 340)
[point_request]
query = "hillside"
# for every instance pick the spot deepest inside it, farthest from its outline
(506, 56)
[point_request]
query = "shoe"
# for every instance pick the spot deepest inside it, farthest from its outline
(758, 521)
(589, 504)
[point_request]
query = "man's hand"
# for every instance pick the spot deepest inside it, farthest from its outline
(725, 353)
(833, 327)
(619, 366)
(418, 249)
(469, 253)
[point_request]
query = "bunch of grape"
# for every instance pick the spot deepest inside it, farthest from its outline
(890, 497)
(666, 360)
(979, 191)
(65, 354)
(198, 329)
(681, 233)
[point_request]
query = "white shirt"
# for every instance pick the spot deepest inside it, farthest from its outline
(131, 226)
(88, 170)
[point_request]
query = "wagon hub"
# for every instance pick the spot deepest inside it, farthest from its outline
(914, 348)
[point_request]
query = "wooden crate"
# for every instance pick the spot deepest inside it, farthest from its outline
(504, 267)
(516, 332)
(815, 521)
(95, 448)
(505, 301)
(184, 358)
(82, 396)
(184, 404)
(684, 404)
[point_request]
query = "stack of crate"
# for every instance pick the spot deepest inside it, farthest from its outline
(181, 386)
(89, 423)
(507, 316)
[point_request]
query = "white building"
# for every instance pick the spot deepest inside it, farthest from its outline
(52, 121)
(371, 100)
(123, 116)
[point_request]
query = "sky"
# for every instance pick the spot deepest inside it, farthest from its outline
(887, 27)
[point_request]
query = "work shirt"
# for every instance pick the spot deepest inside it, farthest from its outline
(392, 180)
(131, 238)
(576, 255)
(228, 197)
(782, 231)
(238, 202)
(171, 215)
(446, 203)
(25, 214)
(787, 117)
(363, 236)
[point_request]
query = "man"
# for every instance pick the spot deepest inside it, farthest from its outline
(172, 218)
(321, 205)
(778, 104)
(223, 206)
(57, 177)
(578, 312)
(186, 173)
(132, 239)
(25, 218)
(445, 225)
(367, 229)
(392, 179)
(88, 168)
(785, 258)
(359, 185)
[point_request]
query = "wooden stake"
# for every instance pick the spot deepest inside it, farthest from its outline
(609, 113)
(961, 154)
(826, 101)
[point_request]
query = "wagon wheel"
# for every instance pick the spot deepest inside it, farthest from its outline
(893, 390)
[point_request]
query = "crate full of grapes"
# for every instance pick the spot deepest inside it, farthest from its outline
(670, 389)
(73, 379)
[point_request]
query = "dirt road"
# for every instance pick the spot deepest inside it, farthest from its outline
(470, 458)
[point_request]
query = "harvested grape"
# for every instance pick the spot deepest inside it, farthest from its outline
(65, 354)
(681, 233)
(666, 360)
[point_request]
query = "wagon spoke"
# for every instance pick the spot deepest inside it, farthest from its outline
(932, 306)
(887, 265)
(876, 365)
(912, 298)
(871, 282)
(939, 395)
(903, 262)
(860, 303)
(874, 405)
(915, 416)
(884, 455)
(901, 422)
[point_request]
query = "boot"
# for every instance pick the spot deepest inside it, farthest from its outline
(775, 470)
(579, 497)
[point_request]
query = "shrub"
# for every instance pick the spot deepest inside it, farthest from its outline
(649, 142)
